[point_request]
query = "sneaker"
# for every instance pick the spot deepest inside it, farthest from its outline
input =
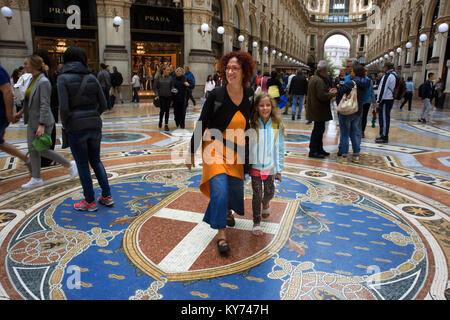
(343, 160)
(73, 170)
(166, 128)
(299, 117)
(33, 183)
(108, 201)
(84, 206)
(355, 159)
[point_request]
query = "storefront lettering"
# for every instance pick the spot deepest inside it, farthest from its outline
(74, 20)
(157, 19)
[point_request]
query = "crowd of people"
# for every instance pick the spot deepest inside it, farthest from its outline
(236, 102)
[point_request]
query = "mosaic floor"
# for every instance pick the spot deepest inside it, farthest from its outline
(375, 230)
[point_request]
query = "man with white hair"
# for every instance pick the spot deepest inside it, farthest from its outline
(318, 108)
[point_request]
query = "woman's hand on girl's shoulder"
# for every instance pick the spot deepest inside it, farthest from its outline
(277, 176)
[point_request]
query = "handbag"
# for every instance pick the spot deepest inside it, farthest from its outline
(157, 103)
(349, 103)
(41, 144)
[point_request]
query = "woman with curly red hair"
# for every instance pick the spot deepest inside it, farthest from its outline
(225, 116)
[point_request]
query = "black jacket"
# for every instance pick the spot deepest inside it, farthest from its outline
(178, 83)
(218, 115)
(83, 114)
(298, 86)
(116, 79)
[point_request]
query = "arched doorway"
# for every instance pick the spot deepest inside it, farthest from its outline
(336, 52)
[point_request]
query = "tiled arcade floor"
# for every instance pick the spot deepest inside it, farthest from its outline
(375, 230)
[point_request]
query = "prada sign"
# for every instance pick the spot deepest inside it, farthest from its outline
(145, 17)
(60, 11)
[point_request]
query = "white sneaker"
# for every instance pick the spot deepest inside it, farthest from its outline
(33, 183)
(73, 170)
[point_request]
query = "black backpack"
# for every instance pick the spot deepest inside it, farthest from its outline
(421, 89)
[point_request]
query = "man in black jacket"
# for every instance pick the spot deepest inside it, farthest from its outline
(298, 89)
(116, 82)
(427, 95)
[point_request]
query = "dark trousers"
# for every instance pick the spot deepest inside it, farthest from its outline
(135, 95)
(261, 198)
(384, 118)
(179, 111)
(316, 141)
(189, 96)
(408, 98)
(85, 147)
(164, 110)
(366, 109)
(106, 93)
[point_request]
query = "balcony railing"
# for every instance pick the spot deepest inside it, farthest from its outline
(338, 19)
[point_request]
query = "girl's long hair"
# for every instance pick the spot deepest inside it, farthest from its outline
(275, 114)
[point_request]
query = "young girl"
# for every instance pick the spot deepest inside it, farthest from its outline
(267, 156)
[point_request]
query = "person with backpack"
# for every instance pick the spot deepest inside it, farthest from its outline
(426, 92)
(82, 102)
(385, 101)
(225, 116)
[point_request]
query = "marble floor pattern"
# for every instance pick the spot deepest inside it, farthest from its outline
(374, 230)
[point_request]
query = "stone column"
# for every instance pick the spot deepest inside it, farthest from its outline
(15, 38)
(197, 45)
(447, 88)
(228, 37)
(115, 46)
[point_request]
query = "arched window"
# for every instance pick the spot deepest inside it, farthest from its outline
(339, 10)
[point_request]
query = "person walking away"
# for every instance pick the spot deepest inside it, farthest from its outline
(82, 102)
(180, 85)
(116, 82)
(351, 124)
(408, 94)
(104, 78)
(318, 108)
(191, 79)
(223, 169)
(427, 96)
(385, 101)
(39, 119)
(268, 153)
(7, 115)
(298, 88)
(135, 85)
(162, 87)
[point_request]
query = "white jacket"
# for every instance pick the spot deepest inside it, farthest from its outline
(21, 86)
(135, 81)
(388, 93)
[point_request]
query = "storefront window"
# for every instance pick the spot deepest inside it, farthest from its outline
(157, 39)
